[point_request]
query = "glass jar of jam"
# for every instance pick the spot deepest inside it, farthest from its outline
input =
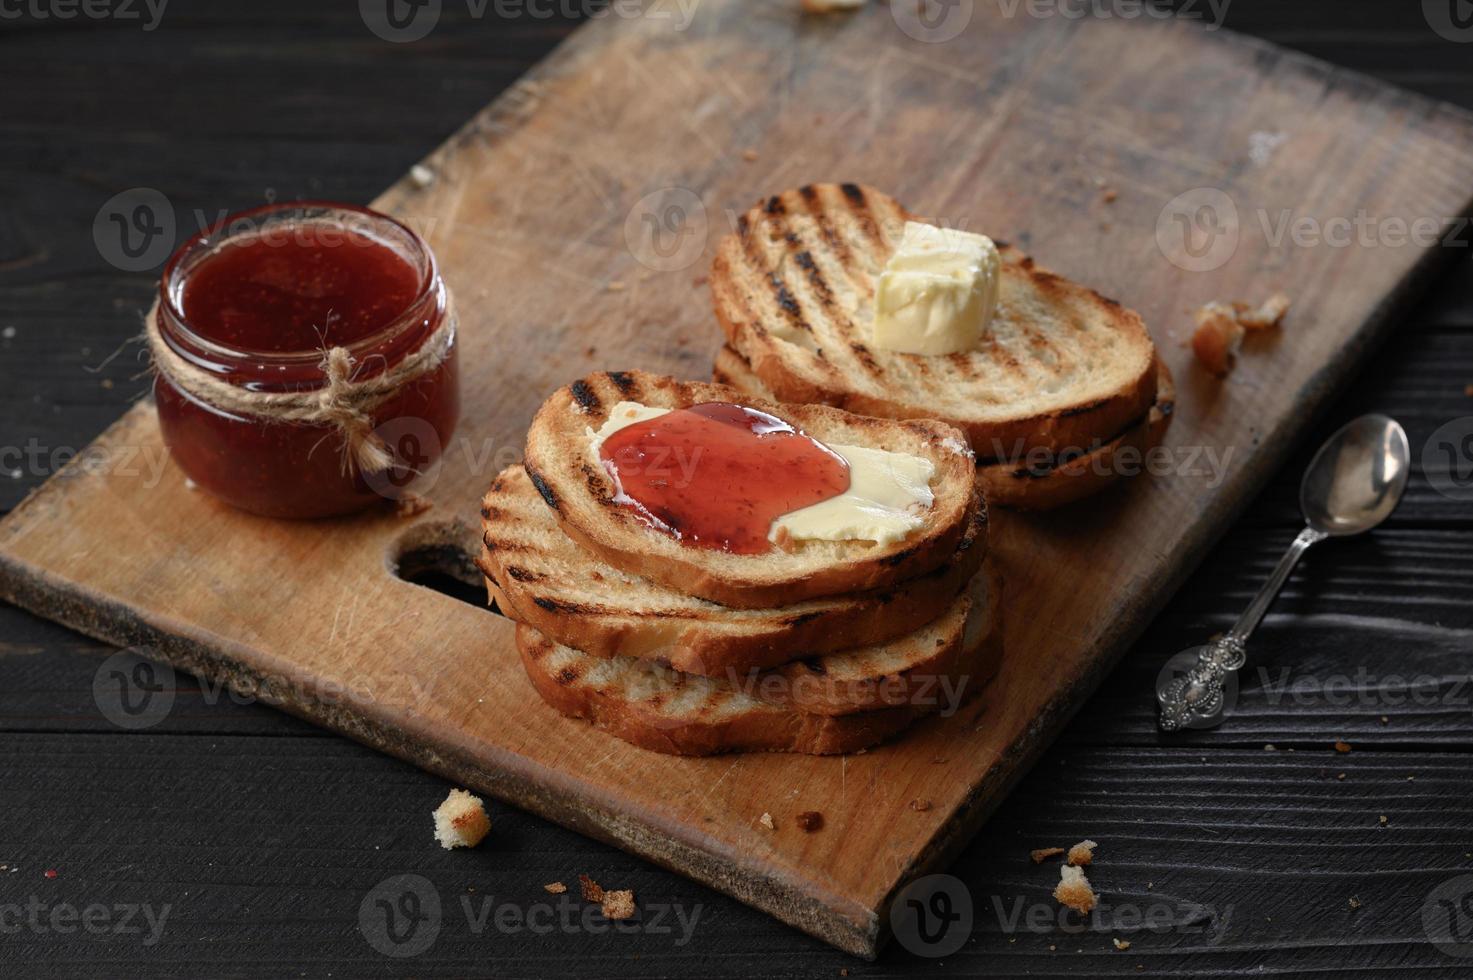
(306, 359)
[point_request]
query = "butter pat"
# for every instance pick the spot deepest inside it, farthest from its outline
(938, 291)
(888, 496)
(621, 416)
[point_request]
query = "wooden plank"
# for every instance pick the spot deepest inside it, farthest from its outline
(1010, 132)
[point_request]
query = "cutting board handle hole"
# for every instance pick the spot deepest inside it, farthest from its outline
(439, 555)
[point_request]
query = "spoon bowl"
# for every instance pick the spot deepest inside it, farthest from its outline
(1356, 479)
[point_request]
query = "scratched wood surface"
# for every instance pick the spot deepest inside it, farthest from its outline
(537, 216)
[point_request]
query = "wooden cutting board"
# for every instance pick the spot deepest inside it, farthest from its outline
(574, 217)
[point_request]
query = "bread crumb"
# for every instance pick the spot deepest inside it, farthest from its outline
(1354, 902)
(749, 155)
(1340, 776)
(1270, 314)
(1269, 747)
(1385, 720)
(766, 821)
(1468, 391)
(828, 6)
(554, 888)
(699, 281)
(461, 821)
(421, 176)
(616, 286)
(920, 806)
(591, 890)
(1121, 944)
(1342, 746)
(1044, 853)
(1221, 327)
(106, 383)
(1385, 820)
(1110, 195)
(411, 504)
(810, 821)
(1083, 852)
(618, 904)
(1073, 890)
(1217, 338)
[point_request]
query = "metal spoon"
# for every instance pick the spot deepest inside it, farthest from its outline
(1353, 483)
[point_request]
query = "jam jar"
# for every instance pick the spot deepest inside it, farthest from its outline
(306, 359)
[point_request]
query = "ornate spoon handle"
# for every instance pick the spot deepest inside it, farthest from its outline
(1196, 697)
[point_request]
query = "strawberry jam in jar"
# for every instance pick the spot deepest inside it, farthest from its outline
(306, 359)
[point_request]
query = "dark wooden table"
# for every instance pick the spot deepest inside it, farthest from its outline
(232, 840)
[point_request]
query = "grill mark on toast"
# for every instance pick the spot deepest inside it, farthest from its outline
(543, 488)
(787, 302)
(622, 380)
(752, 254)
(865, 357)
(523, 575)
(565, 676)
(804, 258)
(585, 395)
(837, 324)
(865, 215)
(596, 484)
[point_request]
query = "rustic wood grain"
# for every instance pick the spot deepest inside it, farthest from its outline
(515, 142)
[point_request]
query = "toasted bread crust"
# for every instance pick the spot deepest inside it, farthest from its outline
(754, 726)
(792, 288)
(541, 578)
(579, 491)
(1007, 485)
(843, 683)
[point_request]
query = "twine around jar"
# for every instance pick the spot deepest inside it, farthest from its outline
(343, 402)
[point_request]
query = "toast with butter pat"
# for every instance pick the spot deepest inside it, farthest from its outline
(1024, 484)
(794, 288)
(926, 466)
(540, 577)
(657, 708)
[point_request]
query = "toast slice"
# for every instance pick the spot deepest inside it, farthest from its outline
(562, 464)
(1006, 483)
(1086, 473)
(660, 709)
(793, 288)
(934, 666)
(540, 577)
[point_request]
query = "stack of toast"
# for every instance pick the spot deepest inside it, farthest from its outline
(815, 646)
(1061, 399)
(1034, 392)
